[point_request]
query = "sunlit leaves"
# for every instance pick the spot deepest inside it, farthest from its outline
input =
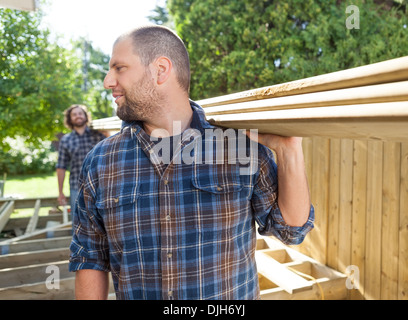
(240, 45)
(38, 79)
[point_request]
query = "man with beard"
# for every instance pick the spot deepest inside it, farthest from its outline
(73, 148)
(185, 229)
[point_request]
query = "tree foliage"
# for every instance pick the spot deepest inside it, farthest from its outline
(38, 79)
(94, 63)
(241, 45)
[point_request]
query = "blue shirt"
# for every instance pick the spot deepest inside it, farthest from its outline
(180, 228)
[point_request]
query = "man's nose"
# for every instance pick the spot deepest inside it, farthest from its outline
(109, 82)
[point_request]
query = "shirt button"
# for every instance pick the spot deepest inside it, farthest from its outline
(116, 200)
(168, 217)
(169, 255)
(166, 182)
(170, 293)
(219, 188)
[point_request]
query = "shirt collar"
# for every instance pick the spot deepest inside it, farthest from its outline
(87, 130)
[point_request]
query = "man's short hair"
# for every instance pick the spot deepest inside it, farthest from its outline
(153, 41)
(67, 115)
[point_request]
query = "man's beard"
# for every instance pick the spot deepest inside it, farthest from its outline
(142, 102)
(80, 124)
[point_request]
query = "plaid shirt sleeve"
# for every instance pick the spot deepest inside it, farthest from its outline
(265, 204)
(89, 246)
(63, 155)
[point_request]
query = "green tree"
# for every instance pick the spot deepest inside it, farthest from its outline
(38, 79)
(241, 45)
(93, 70)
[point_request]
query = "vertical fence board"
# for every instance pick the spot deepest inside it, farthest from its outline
(403, 234)
(334, 204)
(372, 280)
(359, 215)
(390, 221)
(320, 180)
(346, 196)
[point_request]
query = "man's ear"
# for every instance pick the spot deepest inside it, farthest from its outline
(164, 68)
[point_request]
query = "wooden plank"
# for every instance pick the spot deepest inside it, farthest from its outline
(369, 102)
(381, 93)
(374, 122)
(54, 230)
(279, 274)
(5, 214)
(39, 291)
(319, 197)
(383, 72)
(33, 257)
(390, 221)
(372, 279)
(334, 204)
(359, 215)
(403, 223)
(390, 121)
(27, 5)
(331, 281)
(30, 202)
(33, 245)
(21, 223)
(32, 224)
(31, 274)
(346, 198)
(112, 123)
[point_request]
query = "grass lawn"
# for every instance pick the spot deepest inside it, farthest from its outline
(33, 186)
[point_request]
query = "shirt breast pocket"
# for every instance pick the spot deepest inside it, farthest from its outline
(118, 212)
(222, 204)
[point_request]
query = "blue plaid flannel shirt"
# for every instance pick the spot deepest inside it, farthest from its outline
(176, 231)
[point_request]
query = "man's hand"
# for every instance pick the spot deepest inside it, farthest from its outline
(293, 198)
(278, 143)
(62, 200)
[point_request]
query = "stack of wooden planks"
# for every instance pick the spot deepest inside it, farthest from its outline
(35, 266)
(368, 102)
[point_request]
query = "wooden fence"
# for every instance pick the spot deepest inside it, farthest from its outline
(360, 192)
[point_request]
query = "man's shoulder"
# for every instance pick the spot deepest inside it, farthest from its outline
(66, 137)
